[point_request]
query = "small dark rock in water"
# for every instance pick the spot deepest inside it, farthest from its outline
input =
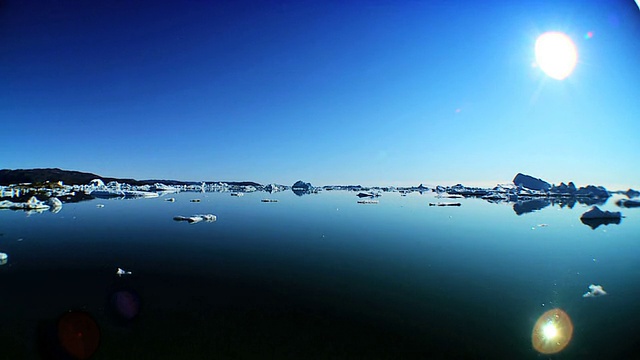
(445, 204)
(628, 203)
(195, 200)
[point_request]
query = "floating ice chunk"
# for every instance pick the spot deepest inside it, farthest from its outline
(54, 202)
(196, 218)
(445, 204)
(170, 199)
(368, 201)
(3, 258)
(208, 217)
(595, 290)
(121, 272)
(100, 205)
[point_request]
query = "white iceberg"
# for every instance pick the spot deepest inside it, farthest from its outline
(594, 291)
(121, 272)
(3, 258)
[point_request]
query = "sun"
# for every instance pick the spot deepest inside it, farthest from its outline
(556, 54)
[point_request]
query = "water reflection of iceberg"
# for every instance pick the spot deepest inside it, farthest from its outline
(523, 207)
(594, 223)
(111, 193)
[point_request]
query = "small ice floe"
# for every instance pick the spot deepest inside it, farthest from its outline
(121, 272)
(269, 200)
(99, 205)
(595, 290)
(445, 204)
(543, 225)
(196, 218)
(3, 258)
(170, 199)
(237, 194)
(368, 201)
(195, 200)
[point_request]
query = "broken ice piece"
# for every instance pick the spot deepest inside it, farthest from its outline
(3, 258)
(595, 290)
(121, 272)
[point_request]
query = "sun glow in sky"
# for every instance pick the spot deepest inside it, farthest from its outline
(556, 54)
(371, 93)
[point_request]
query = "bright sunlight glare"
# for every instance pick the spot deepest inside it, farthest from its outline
(556, 54)
(550, 331)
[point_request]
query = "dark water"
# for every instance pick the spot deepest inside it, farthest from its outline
(317, 276)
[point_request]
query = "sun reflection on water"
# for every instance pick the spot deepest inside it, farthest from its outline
(552, 332)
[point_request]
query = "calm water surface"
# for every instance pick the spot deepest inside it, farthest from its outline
(318, 276)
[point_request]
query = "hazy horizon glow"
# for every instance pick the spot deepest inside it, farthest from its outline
(371, 93)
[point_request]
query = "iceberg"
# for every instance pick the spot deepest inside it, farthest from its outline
(594, 291)
(596, 217)
(3, 258)
(32, 204)
(529, 182)
(301, 188)
(596, 213)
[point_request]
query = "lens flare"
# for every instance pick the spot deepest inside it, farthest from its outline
(552, 332)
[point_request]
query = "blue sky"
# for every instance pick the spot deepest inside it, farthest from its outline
(331, 92)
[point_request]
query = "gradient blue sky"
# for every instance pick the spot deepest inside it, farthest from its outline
(331, 92)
